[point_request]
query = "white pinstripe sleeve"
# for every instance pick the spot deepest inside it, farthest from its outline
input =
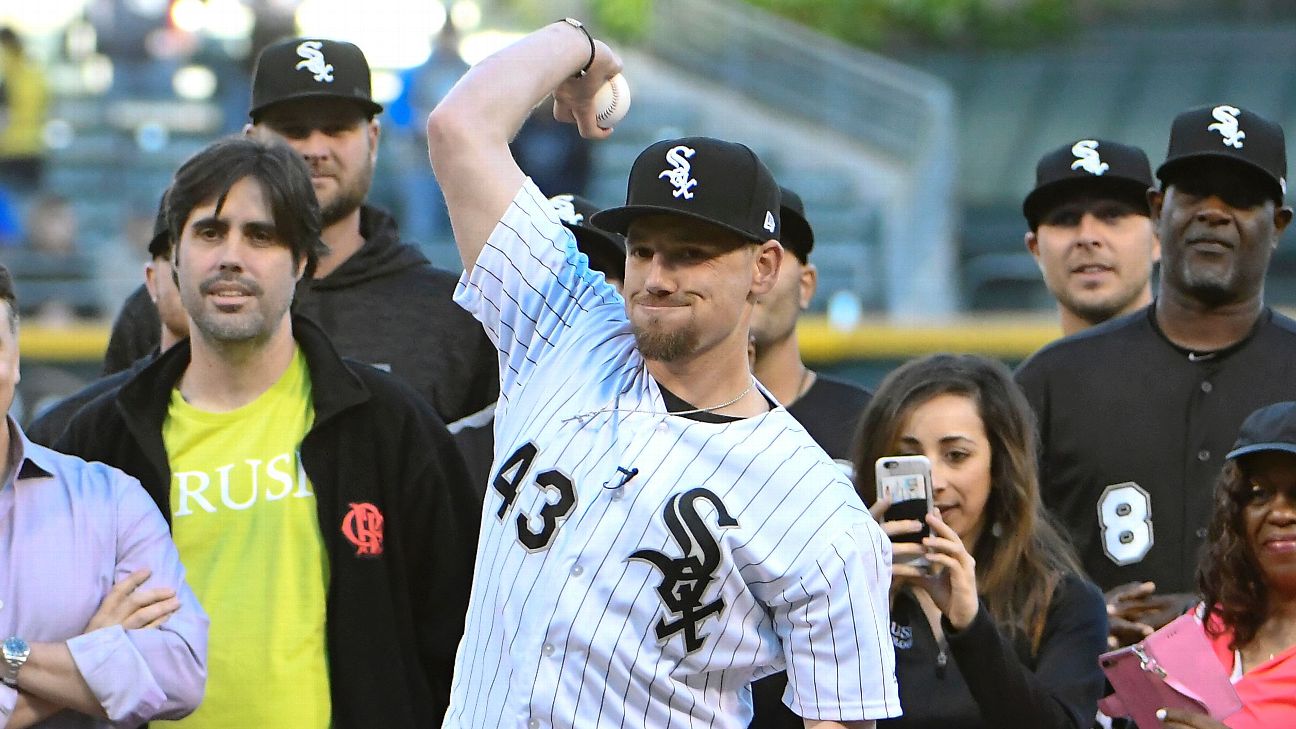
(835, 627)
(530, 286)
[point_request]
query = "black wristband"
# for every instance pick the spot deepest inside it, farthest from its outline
(581, 27)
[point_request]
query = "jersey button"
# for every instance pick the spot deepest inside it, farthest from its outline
(533, 724)
(1206, 387)
(1203, 455)
(577, 571)
(1201, 533)
(548, 649)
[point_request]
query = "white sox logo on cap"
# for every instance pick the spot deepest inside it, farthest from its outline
(769, 222)
(1226, 123)
(566, 209)
(313, 61)
(1087, 159)
(678, 176)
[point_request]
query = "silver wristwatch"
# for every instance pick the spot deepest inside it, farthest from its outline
(15, 651)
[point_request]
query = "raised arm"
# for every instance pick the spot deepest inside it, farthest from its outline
(470, 130)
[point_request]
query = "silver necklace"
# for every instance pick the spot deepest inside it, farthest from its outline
(694, 411)
(721, 406)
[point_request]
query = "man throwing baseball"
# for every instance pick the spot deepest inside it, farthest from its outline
(657, 532)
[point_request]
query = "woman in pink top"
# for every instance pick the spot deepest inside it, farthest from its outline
(1248, 574)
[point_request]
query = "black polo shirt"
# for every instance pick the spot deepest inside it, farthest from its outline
(830, 412)
(1133, 436)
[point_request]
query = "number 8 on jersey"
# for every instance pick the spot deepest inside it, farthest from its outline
(1125, 516)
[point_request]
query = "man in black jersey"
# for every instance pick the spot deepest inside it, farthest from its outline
(1137, 413)
(827, 407)
(1090, 230)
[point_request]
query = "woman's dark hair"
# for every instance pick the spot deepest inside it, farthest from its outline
(1228, 575)
(1020, 559)
(278, 169)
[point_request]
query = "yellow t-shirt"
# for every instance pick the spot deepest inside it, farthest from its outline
(244, 520)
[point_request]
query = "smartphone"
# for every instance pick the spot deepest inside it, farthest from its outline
(907, 482)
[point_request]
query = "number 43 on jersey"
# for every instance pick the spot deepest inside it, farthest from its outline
(510, 479)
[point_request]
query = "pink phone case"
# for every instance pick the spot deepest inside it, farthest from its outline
(1174, 668)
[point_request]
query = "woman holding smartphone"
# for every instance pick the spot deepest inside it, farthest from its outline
(1002, 630)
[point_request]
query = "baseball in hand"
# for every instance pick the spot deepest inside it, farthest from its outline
(612, 101)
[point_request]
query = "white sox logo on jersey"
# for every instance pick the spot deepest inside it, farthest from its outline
(1226, 123)
(1087, 159)
(563, 205)
(685, 579)
(678, 176)
(313, 61)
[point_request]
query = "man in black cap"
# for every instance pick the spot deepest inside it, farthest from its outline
(1090, 230)
(378, 298)
(1136, 414)
(170, 325)
(606, 251)
(658, 532)
(827, 407)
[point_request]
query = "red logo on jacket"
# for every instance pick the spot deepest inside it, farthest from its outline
(363, 527)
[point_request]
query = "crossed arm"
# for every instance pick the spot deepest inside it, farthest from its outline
(141, 656)
(50, 679)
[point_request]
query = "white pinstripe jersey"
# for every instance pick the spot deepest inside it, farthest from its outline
(737, 550)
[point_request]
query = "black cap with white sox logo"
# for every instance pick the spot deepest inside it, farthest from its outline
(722, 183)
(303, 68)
(1094, 167)
(1232, 133)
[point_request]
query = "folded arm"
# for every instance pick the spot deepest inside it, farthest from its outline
(142, 664)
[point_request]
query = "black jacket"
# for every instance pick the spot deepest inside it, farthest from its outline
(49, 425)
(387, 306)
(394, 619)
(985, 681)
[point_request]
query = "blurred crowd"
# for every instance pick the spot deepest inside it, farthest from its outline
(1139, 469)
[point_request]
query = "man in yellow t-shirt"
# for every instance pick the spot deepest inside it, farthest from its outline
(243, 516)
(320, 507)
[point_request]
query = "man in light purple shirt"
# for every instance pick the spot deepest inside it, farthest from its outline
(98, 625)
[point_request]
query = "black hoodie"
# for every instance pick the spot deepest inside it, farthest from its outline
(385, 305)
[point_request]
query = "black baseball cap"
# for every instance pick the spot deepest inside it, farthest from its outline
(160, 244)
(718, 182)
(575, 213)
(1271, 428)
(1096, 167)
(798, 236)
(305, 68)
(1231, 133)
